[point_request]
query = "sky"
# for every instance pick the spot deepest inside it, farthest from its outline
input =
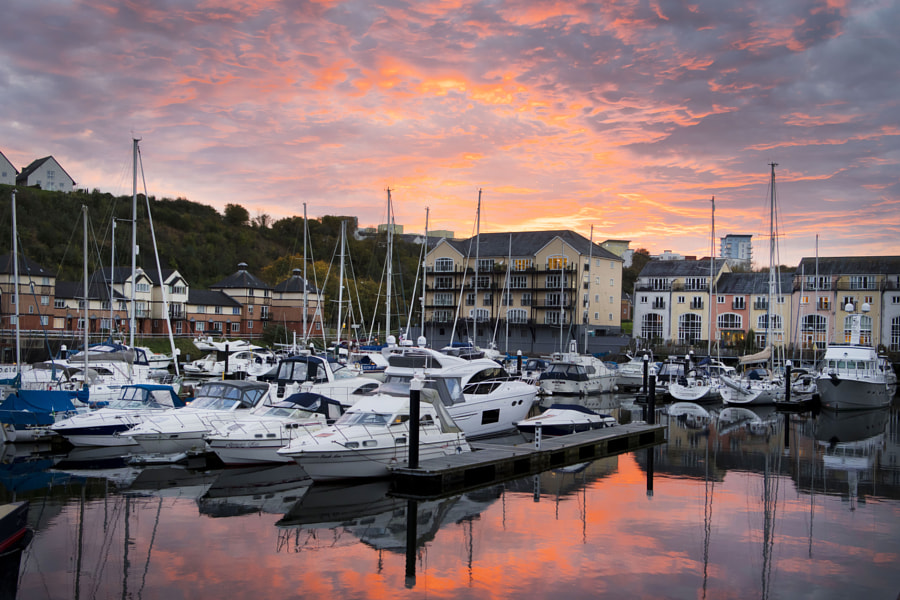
(616, 119)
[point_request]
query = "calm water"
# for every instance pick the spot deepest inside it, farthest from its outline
(740, 504)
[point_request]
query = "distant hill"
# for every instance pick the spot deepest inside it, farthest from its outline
(203, 244)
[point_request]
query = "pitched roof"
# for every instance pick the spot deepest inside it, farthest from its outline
(97, 290)
(680, 268)
(851, 265)
(241, 279)
(294, 283)
(26, 267)
(123, 274)
(211, 298)
(741, 284)
(527, 243)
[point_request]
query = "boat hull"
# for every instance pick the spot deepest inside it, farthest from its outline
(853, 394)
(236, 451)
(171, 442)
(335, 462)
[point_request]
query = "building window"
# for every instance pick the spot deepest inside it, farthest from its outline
(443, 299)
(865, 328)
(693, 284)
(521, 264)
(482, 281)
(697, 302)
(553, 281)
(45, 300)
(236, 310)
(689, 328)
(59, 303)
(804, 299)
(249, 324)
(479, 314)
(823, 303)
(643, 300)
(470, 299)
(895, 334)
(762, 321)
(680, 300)
(652, 326)
(612, 282)
(443, 282)
(720, 299)
(738, 303)
(729, 321)
(813, 330)
(485, 264)
(235, 327)
(142, 288)
(895, 299)
(218, 310)
(557, 262)
(507, 299)
(201, 309)
(596, 316)
(488, 299)
(526, 299)
(517, 316)
(823, 282)
(862, 282)
(45, 320)
(443, 265)
(442, 316)
(518, 282)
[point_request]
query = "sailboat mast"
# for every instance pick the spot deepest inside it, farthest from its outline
(131, 325)
(390, 260)
(15, 257)
(424, 278)
(588, 273)
(84, 210)
(477, 249)
(772, 259)
(112, 274)
(712, 262)
(341, 286)
(305, 285)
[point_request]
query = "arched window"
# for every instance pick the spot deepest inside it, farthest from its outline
(730, 321)
(813, 330)
(652, 327)
(865, 328)
(443, 265)
(689, 328)
(517, 315)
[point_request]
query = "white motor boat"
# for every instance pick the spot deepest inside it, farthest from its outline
(174, 433)
(246, 439)
(855, 377)
(105, 426)
(481, 397)
(573, 374)
(563, 419)
(374, 435)
(321, 375)
(240, 364)
(630, 375)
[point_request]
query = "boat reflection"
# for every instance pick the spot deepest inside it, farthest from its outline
(251, 490)
(852, 443)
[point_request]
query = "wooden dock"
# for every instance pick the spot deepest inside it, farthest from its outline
(492, 463)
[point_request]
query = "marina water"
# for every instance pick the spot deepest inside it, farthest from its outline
(752, 504)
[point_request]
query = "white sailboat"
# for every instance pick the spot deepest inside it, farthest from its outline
(768, 388)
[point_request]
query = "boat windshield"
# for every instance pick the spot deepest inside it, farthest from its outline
(449, 389)
(211, 403)
(365, 418)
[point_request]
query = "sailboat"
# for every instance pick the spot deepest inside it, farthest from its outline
(702, 385)
(770, 387)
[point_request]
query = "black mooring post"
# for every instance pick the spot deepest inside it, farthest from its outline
(787, 381)
(644, 388)
(225, 372)
(651, 401)
(787, 430)
(414, 396)
(518, 362)
(650, 456)
(412, 509)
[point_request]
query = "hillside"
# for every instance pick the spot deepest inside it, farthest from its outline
(203, 244)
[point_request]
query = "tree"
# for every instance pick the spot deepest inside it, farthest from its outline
(235, 214)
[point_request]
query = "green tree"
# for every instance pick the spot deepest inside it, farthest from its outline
(235, 214)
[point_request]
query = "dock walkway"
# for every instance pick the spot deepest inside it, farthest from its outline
(492, 463)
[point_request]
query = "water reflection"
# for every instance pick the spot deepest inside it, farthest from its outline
(738, 503)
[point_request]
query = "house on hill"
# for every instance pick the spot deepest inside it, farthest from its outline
(254, 301)
(8, 172)
(46, 174)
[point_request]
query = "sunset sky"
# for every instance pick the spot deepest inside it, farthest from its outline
(626, 116)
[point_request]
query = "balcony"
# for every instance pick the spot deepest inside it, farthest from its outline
(658, 305)
(760, 306)
(739, 305)
(696, 305)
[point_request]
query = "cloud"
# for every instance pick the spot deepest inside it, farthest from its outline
(621, 115)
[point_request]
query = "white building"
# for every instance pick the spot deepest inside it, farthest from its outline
(47, 174)
(737, 250)
(8, 172)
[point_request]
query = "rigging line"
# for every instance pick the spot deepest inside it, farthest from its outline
(419, 264)
(462, 288)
